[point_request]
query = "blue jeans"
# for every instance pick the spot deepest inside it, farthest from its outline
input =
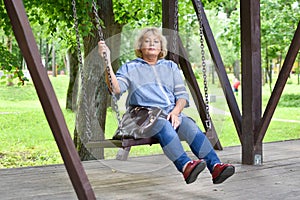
(188, 131)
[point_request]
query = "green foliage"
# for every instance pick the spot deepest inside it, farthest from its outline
(4, 20)
(10, 65)
(137, 13)
(51, 13)
(8, 61)
(225, 6)
(279, 20)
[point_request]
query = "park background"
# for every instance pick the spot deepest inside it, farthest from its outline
(26, 139)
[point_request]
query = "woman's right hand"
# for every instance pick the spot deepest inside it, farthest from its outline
(103, 50)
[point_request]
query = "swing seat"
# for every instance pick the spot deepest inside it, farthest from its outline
(125, 145)
(122, 143)
(127, 142)
(136, 142)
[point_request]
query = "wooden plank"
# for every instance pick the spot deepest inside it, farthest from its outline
(155, 177)
(104, 144)
(54, 115)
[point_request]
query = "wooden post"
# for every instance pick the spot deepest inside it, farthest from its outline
(170, 25)
(251, 80)
(54, 115)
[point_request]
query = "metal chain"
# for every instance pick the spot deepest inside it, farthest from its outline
(85, 106)
(97, 18)
(175, 31)
(208, 119)
(105, 56)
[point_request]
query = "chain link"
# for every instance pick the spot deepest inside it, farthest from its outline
(105, 56)
(175, 32)
(88, 132)
(204, 71)
(97, 18)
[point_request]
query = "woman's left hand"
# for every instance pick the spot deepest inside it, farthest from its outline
(174, 119)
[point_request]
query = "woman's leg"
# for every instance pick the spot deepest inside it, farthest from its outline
(172, 146)
(198, 142)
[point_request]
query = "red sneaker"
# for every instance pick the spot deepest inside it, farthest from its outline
(221, 172)
(192, 170)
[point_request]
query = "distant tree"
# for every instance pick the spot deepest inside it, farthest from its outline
(278, 23)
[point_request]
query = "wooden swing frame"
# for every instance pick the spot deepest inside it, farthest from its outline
(251, 129)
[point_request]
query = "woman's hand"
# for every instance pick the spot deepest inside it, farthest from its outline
(173, 118)
(103, 50)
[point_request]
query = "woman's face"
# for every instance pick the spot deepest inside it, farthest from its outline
(151, 45)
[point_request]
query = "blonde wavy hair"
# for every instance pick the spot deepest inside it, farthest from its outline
(156, 32)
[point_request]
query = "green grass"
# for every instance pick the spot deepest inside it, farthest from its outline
(26, 139)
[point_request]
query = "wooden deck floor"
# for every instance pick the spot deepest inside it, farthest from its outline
(155, 177)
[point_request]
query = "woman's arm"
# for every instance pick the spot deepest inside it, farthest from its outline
(103, 50)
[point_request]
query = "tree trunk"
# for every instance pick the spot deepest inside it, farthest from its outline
(212, 74)
(93, 93)
(9, 47)
(268, 70)
(298, 70)
(54, 68)
(237, 69)
(73, 66)
(41, 45)
(267, 66)
(47, 56)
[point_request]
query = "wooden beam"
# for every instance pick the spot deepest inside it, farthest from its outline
(170, 27)
(251, 80)
(279, 86)
(220, 69)
(54, 115)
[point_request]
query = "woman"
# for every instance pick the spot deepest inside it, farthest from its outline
(153, 81)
